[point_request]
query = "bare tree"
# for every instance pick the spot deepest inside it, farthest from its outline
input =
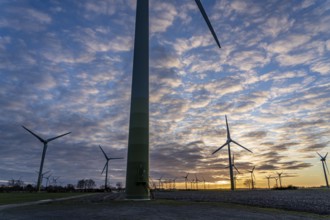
(248, 183)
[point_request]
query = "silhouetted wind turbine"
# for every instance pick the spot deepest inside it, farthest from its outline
(268, 179)
(45, 142)
(197, 180)
(138, 138)
(160, 183)
(280, 178)
(233, 165)
(204, 182)
(276, 181)
(106, 167)
(325, 166)
(186, 179)
(174, 187)
(252, 176)
(229, 140)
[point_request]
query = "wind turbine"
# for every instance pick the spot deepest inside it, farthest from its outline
(160, 183)
(45, 142)
(186, 180)
(252, 176)
(204, 182)
(229, 140)
(325, 166)
(174, 187)
(138, 138)
(280, 178)
(106, 167)
(233, 165)
(276, 181)
(47, 177)
(197, 180)
(55, 180)
(268, 179)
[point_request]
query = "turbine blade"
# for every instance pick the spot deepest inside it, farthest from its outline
(326, 166)
(115, 158)
(236, 169)
(106, 157)
(39, 138)
(253, 168)
(241, 146)
(201, 9)
(104, 167)
(228, 132)
(233, 159)
(319, 154)
(325, 156)
(51, 139)
(220, 147)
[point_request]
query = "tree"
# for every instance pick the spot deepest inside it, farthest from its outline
(247, 183)
(81, 184)
(86, 184)
(119, 186)
(90, 184)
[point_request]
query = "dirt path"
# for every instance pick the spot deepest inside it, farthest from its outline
(111, 206)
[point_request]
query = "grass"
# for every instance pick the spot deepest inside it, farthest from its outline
(21, 197)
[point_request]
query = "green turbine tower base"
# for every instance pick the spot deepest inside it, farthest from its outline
(137, 174)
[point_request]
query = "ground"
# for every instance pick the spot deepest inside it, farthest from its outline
(170, 205)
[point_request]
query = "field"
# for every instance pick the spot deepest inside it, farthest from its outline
(258, 204)
(16, 197)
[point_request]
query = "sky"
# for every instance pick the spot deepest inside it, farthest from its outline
(66, 66)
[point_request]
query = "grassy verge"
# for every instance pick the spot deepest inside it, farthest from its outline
(13, 198)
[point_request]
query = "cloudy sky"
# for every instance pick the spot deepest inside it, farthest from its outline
(67, 66)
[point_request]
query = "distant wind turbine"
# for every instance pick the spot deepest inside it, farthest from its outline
(252, 176)
(197, 180)
(276, 179)
(45, 142)
(280, 178)
(160, 183)
(174, 187)
(229, 140)
(186, 179)
(137, 175)
(325, 166)
(204, 182)
(106, 167)
(268, 179)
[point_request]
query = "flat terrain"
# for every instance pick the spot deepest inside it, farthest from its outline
(17, 197)
(180, 205)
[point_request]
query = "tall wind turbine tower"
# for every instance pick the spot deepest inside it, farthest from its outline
(106, 166)
(252, 177)
(229, 140)
(45, 142)
(137, 174)
(325, 166)
(280, 178)
(186, 179)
